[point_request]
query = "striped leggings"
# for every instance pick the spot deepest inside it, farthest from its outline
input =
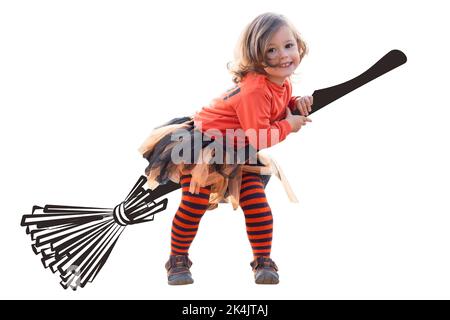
(258, 216)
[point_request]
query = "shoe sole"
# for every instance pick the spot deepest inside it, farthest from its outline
(267, 279)
(180, 281)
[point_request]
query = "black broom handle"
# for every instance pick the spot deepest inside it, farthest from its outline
(323, 97)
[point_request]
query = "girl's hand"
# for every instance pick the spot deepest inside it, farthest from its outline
(304, 105)
(296, 122)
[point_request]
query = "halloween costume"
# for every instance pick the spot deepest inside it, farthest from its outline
(75, 242)
(254, 104)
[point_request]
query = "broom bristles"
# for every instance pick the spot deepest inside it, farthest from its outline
(75, 242)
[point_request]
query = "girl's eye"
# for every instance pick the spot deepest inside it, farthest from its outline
(289, 45)
(271, 50)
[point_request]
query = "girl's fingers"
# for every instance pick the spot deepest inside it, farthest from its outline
(300, 108)
(304, 105)
(305, 110)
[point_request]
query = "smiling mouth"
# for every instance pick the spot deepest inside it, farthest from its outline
(285, 65)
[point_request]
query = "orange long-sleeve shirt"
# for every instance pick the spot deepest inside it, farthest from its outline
(255, 103)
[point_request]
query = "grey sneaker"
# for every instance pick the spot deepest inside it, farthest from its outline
(178, 270)
(265, 271)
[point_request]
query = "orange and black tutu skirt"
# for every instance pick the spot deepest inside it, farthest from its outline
(178, 148)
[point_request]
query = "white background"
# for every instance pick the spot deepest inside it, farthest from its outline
(83, 83)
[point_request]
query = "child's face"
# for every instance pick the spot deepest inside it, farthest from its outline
(282, 54)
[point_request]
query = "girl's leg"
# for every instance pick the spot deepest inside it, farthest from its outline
(184, 228)
(259, 222)
(188, 216)
(258, 216)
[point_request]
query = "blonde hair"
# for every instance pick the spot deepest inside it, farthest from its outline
(250, 52)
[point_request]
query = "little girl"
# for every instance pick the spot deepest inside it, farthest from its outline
(253, 115)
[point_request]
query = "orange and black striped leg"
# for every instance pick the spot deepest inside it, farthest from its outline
(258, 216)
(188, 216)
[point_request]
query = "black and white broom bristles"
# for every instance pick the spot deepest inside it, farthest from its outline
(75, 242)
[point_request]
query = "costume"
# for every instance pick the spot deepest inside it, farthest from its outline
(254, 104)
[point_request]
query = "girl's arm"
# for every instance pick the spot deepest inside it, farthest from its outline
(254, 116)
(293, 102)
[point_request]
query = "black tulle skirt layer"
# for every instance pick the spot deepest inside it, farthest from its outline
(178, 148)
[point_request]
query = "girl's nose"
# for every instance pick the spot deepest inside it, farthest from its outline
(283, 53)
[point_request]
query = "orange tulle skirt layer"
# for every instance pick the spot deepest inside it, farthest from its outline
(177, 148)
